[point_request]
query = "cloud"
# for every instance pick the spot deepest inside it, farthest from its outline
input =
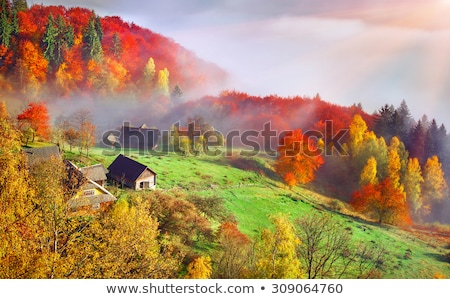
(178, 13)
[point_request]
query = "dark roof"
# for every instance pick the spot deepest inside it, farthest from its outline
(41, 154)
(137, 137)
(95, 172)
(129, 168)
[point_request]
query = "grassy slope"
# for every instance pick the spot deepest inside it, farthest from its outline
(254, 195)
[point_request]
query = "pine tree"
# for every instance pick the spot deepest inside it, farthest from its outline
(58, 39)
(383, 122)
(49, 39)
(116, 46)
(20, 5)
(417, 142)
(432, 142)
(92, 46)
(406, 122)
(7, 26)
(176, 96)
(98, 28)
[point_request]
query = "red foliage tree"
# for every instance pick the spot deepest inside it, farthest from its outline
(298, 158)
(384, 201)
(36, 117)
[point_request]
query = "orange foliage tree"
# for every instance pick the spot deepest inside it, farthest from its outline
(232, 257)
(298, 158)
(384, 201)
(33, 61)
(37, 118)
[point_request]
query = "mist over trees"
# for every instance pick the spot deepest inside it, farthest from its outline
(65, 52)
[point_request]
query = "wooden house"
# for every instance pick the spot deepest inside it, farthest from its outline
(97, 173)
(88, 195)
(126, 172)
(143, 137)
(91, 196)
(85, 185)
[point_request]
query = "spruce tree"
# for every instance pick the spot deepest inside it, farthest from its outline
(117, 48)
(20, 5)
(177, 94)
(50, 40)
(58, 38)
(417, 142)
(383, 122)
(92, 46)
(7, 26)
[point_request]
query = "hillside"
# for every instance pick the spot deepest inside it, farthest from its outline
(54, 51)
(253, 193)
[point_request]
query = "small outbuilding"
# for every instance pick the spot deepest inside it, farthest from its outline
(96, 172)
(126, 172)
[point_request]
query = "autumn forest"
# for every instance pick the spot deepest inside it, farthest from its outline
(67, 75)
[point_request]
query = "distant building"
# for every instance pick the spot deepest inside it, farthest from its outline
(126, 172)
(142, 138)
(41, 154)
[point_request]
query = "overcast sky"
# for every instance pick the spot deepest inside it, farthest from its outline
(349, 51)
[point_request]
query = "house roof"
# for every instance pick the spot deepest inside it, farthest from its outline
(75, 178)
(136, 137)
(90, 200)
(129, 168)
(41, 154)
(82, 182)
(95, 172)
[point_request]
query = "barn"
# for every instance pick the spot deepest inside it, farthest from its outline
(126, 172)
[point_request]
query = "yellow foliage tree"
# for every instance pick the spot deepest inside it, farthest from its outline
(200, 268)
(394, 168)
(358, 130)
(275, 253)
(434, 186)
(369, 173)
(397, 162)
(17, 233)
(52, 219)
(130, 247)
(412, 184)
(163, 82)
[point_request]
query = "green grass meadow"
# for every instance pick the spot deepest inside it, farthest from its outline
(253, 192)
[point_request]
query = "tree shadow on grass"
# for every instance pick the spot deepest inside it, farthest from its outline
(439, 257)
